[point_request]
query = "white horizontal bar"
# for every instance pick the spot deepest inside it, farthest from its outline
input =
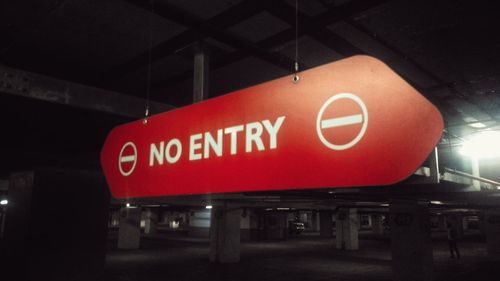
(130, 158)
(341, 121)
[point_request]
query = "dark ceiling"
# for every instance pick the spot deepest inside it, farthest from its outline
(446, 49)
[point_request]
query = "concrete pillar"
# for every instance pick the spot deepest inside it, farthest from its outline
(201, 73)
(482, 223)
(492, 231)
(56, 226)
(182, 219)
(2, 222)
(325, 224)
(308, 222)
(303, 217)
(347, 229)
(225, 235)
(411, 244)
(475, 172)
(115, 218)
(129, 233)
(4, 186)
(377, 224)
(314, 221)
(368, 220)
(245, 225)
(150, 221)
(317, 221)
(434, 166)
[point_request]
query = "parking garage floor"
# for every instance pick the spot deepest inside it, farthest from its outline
(307, 257)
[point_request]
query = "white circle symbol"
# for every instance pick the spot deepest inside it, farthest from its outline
(342, 121)
(127, 159)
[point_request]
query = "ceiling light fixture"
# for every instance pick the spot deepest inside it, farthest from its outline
(482, 145)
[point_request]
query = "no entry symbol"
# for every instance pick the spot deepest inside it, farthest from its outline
(127, 159)
(335, 125)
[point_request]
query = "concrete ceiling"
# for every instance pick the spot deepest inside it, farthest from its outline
(446, 49)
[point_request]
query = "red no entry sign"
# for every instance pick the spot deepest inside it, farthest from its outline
(349, 123)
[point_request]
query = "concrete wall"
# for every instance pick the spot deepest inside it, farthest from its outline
(200, 221)
(275, 227)
(249, 224)
(174, 219)
(199, 224)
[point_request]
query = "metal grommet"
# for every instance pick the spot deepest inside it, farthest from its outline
(146, 114)
(295, 78)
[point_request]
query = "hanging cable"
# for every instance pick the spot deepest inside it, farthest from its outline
(296, 76)
(150, 49)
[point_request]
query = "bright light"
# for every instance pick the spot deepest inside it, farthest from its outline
(474, 123)
(128, 205)
(477, 125)
(4, 202)
(436, 202)
(483, 145)
(208, 207)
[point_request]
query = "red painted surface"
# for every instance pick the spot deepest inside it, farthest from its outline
(400, 129)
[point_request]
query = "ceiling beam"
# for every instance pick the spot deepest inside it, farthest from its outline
(45, 88)
(315, 29)
(340, 12)
(206, 28)
(441, 84)
(226, 19)
(198, 29)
